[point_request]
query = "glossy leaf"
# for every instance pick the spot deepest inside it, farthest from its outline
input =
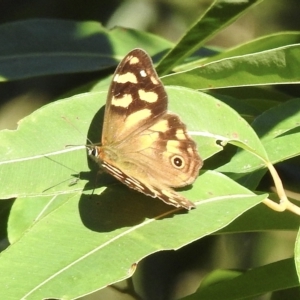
(276, 66)
(219, 15)
(45, 134)
(88, 233)
(46, 47)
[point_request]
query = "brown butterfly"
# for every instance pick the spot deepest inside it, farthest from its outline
(143, 145)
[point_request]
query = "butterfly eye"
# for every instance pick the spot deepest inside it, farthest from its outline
(178, 162)
(93, 152)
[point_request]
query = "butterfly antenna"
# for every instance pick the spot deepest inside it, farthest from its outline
(70, 123)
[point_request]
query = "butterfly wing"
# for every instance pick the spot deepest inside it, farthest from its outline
(143, 146)
(160, 157)
(165, 152)
(150, 188)
(136, 98)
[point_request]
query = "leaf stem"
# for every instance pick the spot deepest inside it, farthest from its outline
(284, 203)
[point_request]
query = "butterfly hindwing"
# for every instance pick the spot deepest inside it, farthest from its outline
(162, 192)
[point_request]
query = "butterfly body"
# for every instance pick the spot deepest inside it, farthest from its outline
(143, 145)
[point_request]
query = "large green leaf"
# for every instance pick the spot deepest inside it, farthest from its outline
(45, 134)
(44, 47)
(260, 44)
(276, 66)
(88, 233)
(87, 230)
(261, 219)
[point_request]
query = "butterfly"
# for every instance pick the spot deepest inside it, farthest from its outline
(143, 145)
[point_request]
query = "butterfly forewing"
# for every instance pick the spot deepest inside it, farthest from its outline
(136, 98)
(143, 145)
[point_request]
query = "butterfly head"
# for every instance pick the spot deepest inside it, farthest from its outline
(93, 152)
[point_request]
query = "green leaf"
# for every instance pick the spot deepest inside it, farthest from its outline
(261, 219)
(260, 44)
(72, 227)
(46, 47)
(27, 211)
(250, 284)
(218, 16)
(45, 134)
(278, 121)
(276, 66)
(87, 231)
(278, 129)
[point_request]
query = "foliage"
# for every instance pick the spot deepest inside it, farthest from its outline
(68, 239)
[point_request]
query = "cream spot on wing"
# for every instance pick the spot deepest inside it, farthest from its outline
(154, 136)
(154, 80)
(122, 102)
(180, 134)
(160, 126)
(136, 117)
(127, 77)
(146, 140)
(134, 60)
(150, 97)
(116, 78)
(190, 150)
(173, 146)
